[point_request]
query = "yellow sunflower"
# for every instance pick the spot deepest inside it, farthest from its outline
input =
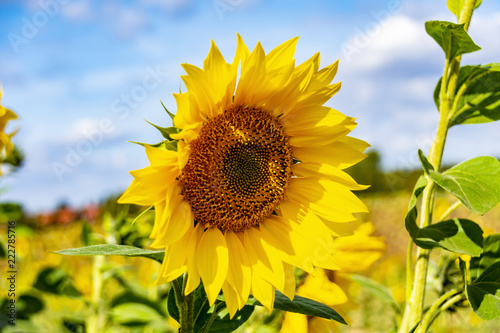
(354, 254)
(6, 145)
(256, 185)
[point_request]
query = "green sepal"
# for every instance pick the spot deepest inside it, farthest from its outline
(166, 131)
(167, 145)
(475, 182)
(169, 113)
(452, 38)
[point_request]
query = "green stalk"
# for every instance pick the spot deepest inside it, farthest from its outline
(414, 308)
(210, 321)
(442, 303)
(185, 304)
(94, 322)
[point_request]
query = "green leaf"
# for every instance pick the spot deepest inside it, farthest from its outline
(131, 297)
(114, 250)
(478, 93)
(134, 314)
(456, 6)
(226, 325)
(201, 307)
(28, 305)
(457, 235)
(377, 289)
(305, 306)
(86, 233)
(491, 254)
(476, 182)
(452, 38)
(480, 101)
(484, 293)
(56, 281)
(172, 308)
(411, 216)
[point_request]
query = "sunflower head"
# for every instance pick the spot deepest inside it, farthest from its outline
(6, 115)
(255, 185)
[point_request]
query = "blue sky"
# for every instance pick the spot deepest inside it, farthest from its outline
(83, 75)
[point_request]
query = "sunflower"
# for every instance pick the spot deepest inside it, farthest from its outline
(6, 145)
(255, 185)
(354, 254)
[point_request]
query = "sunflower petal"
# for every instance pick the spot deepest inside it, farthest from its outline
(239, 271)
(212, 262)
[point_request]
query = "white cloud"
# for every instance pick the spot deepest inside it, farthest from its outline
(400, 37)
(77, 10)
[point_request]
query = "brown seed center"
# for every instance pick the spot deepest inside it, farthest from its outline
(238, 169)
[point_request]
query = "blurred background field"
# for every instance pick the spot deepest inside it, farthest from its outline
(66, 293)
(82, 75)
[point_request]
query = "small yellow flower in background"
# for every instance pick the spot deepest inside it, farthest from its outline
(256, 185)
(6, 145)
(354, 254)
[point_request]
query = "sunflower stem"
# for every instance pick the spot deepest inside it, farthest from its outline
(95, 320)
(414, 308)
(185, 304)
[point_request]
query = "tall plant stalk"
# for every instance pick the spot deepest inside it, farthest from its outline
(415, 304)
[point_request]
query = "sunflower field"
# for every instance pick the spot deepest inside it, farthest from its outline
(255, 205)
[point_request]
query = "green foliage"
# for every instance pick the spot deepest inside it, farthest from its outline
(134, 314)
(305, 306)
(452, 38)
(476, 182)
(172, 308)
(114, 250)
(483, 291)
(128, 297)
(411, 216)
(15, 158)
(377, 289)
(477, 93)
(56, 281)
(457, 235)
(490, 255)
(10, 211)
(223, 324)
